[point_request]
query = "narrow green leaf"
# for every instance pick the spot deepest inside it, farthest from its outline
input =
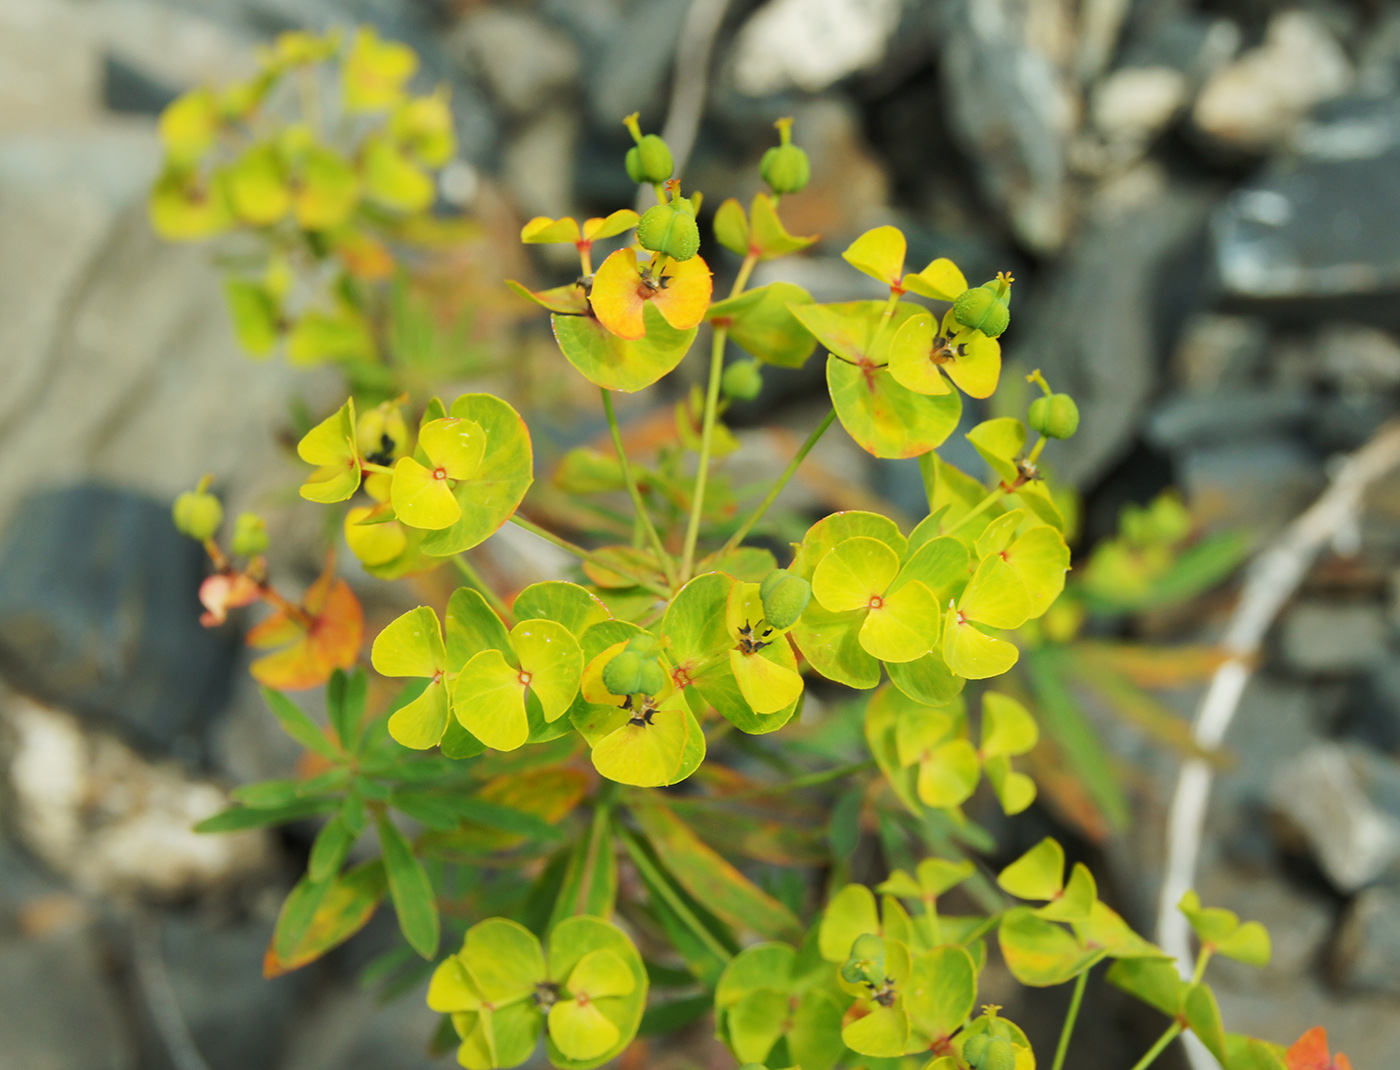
(590, 881)
(328, 853)
(299, 726)
(707, 876)
(237, 818)
(295, 916)
(410, 889)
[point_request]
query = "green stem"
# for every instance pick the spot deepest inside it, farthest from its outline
(885, 318)
(977, 510)
(586, 555)
(1075, 1000)
(474, 579)
(656, 880)
(707, 431)
(777, 488)
(1173, 1031)
(667, 565)
(707, 436)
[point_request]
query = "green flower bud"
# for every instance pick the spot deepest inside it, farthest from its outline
(1056, 416)
(986, 308)
(623, 675)
(742, 380)
(649, 160)
(975, 1048)
(652, 678)
(999, 1054)
(869, 946)
(198, 513)
(784, 596)
(644, 645)
(670, 229)
(785, 167)
(249, 535)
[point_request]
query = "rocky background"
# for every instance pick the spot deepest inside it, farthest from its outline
(1201, 203)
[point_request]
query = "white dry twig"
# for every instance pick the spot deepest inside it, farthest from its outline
(1270, 582)
(690, 84)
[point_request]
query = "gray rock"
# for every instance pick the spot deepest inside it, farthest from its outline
(1357, 357)
(523, 62)
(1367, 952)
(1255, 486)
(58, 1009)
(1217, 351)
(1193, 44)
(1092, 330)
(348, 1031)
(1341, 423)
(1257, 100)
(214, 973)
(539, 163)
(1011, 107)
(811, 45)
(1226, 416)
(113, 823)
(1330, 639)
(1313, 227)
(98, 603)
(1345, 803)
(1365, 1027)
(631, 73)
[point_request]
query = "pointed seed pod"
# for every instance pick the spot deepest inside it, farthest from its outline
(785, 596)
(652, 679)
(986, 308)
(743, 380)
(670, 229)
(249, 535)
(785, 167)
(1056, 416)
(999, 1054)
(649, 161)
(198, 513)
(644, 645)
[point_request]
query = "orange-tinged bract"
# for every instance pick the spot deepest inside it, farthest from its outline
(623, 286)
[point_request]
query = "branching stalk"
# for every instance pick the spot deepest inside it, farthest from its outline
(777, 488)
(474, 579)
(587, 555)
(644, 518)
(1062, 1049)
(1173, 1031)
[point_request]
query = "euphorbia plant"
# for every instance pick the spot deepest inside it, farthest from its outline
(551, 740)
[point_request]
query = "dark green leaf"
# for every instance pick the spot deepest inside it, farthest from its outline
(410, 889)
(237, 818)
(669, 1017)
(299, 726)
(328, 853)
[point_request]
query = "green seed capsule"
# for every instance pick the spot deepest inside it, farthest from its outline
(198, 514)
(998, 1055)
(784, 596)
(868, 946)
(742, 380)
(785, 167)
(974, 1049)
(249, 535)
(999, 1028)
(652, 678)
(1056, 416)
(623, 675)
(986, 308)
(670, 229)
(644, 645)
(649, 161)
